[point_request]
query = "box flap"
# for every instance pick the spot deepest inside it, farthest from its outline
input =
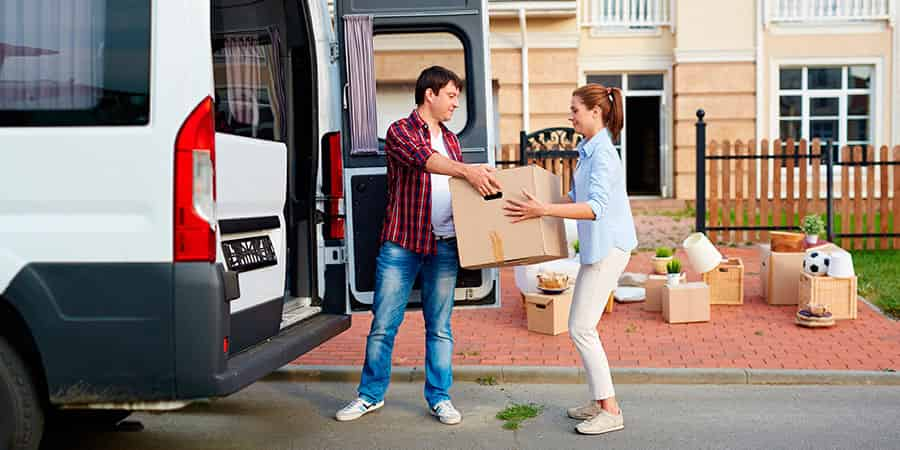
(539, 299)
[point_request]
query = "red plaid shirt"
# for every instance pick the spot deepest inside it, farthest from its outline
(407, 222)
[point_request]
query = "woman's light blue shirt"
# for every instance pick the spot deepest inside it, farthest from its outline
(600, 182)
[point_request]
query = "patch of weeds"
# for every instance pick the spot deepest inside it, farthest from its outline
(759, 333)
(888, 370)
(486, 381)
(517, 413)
(631, 328)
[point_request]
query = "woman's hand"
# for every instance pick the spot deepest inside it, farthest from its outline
(530, 208)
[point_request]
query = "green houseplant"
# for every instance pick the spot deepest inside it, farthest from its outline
(673, 270)
(812, 225)
(662, 258)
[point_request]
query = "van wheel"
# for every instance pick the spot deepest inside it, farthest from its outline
(23, 425)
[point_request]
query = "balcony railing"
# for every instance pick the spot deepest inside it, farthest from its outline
(812, 11)
(626, 13)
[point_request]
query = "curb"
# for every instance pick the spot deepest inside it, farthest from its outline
(575, 375)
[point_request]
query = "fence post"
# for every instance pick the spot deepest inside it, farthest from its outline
(701, 172)
(522, 144)
(829, 193)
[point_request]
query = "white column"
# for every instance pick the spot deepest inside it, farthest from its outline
(526, 122)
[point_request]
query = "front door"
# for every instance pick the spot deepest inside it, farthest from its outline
(407, 37)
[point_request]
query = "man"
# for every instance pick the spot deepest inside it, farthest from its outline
(418, 236)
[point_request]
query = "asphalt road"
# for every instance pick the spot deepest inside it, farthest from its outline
(291, 415)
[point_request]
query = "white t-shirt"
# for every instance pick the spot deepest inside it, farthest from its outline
(441, 210)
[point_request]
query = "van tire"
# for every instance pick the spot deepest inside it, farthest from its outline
(22, 427)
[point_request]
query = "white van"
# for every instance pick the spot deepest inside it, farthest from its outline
(180, 213)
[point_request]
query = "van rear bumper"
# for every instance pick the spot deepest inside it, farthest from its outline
(119, 333)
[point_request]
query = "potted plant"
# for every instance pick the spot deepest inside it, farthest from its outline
(662, 258)
(812, 225)
(674, 272)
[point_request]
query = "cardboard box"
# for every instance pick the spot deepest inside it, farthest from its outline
(548, 314)
(687, 302)
(726, 283)
(781, 273)
(838, 293)
(486, 237)
(653, 291)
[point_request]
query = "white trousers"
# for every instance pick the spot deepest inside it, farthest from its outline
(592, 288)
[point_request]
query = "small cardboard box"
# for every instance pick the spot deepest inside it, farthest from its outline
(487, 238)
(838, 293)
(726, 283)
(781, 274)
(653, 291)
(548, 314)
(688, 302)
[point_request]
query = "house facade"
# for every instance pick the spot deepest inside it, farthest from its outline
(761, 69)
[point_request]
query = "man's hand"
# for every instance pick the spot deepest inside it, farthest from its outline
(482, 178)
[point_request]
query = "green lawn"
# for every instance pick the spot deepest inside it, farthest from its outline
(879, 278)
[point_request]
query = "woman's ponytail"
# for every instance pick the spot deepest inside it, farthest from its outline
(614, 117)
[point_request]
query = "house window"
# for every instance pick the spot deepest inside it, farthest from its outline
(831, 103)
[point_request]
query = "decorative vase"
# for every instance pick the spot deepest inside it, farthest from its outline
(660, 263)
(812, 239)
(672, 279)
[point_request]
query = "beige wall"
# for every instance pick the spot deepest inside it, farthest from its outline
(726, 92)
(656, 44)
(835, 49)
(534, 24)
(715, 25)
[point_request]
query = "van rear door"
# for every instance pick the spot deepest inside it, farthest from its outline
(251, 151)
(398, 24)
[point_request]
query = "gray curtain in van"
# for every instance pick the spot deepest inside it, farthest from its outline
(361, 78)
(51, 54)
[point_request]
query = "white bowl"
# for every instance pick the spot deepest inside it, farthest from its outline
(841, 265)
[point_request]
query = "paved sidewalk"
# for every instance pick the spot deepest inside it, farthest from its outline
(755, 336)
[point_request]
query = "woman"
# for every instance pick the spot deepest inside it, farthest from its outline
(606, 238)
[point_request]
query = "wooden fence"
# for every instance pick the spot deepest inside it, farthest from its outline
(752, 190)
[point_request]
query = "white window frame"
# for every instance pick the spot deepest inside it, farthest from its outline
(876, 94)
(665, 95)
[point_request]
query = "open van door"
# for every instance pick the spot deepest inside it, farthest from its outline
(365, 186)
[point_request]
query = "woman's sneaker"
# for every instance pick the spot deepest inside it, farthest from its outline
(446, 413)
(584, 412)
(601, 423)
(356, 409)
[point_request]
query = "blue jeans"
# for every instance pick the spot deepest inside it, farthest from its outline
(396, 270)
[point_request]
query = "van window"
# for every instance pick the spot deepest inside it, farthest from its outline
(399, 58)
(74, 62)
(250, 95)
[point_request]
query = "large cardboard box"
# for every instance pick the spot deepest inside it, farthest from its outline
(838, 293)
(548, 314)
(486, 237)
(688, 302)
(653, 291)
(781, 273)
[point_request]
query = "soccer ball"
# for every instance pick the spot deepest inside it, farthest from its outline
(816, 263)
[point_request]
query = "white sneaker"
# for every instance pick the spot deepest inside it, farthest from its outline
(601, 423)
(446, 413)
(356, 409)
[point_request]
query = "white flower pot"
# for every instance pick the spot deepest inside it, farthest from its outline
(672, 279)
(812, 239)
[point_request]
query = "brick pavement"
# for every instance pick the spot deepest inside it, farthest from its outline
(754, 335)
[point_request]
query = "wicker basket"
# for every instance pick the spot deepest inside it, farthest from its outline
(785, 242)
(838, 293)
(726, 283)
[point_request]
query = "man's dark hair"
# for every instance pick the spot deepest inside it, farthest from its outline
(435, 77)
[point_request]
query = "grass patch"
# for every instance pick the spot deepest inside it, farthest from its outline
(879, 278)
(486, 381)
(517, 413)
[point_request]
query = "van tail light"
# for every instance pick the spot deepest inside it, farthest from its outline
(334, 186)
(195, 186)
